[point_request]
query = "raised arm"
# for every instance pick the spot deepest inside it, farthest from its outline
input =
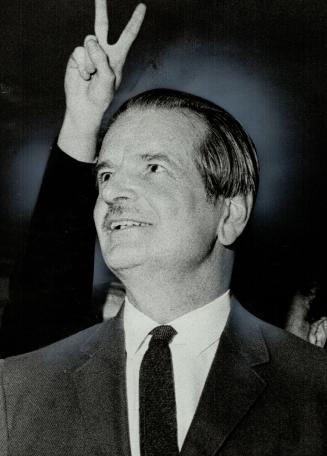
(52, 285)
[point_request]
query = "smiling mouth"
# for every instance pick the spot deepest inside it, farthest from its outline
(125, 224)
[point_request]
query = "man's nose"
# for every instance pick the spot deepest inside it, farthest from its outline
(121, 185)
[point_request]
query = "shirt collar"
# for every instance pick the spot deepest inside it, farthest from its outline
(196, 330)
(137, 326)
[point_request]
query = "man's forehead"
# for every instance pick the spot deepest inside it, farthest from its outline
(153, 128)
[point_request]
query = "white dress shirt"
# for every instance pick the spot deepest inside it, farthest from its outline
(193, 349)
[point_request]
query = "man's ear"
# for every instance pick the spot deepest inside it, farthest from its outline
(235, 213)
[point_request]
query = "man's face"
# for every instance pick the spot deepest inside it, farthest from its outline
(152, 208)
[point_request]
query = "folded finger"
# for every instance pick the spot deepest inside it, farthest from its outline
(77, 59)
(99, 59)
(89, 65)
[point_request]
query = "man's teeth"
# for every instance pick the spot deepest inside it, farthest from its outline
(125, 224)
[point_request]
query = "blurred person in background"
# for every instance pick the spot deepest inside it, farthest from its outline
(307, 314)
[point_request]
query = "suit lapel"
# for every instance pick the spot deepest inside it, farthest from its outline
(101, 388)
(232, 385)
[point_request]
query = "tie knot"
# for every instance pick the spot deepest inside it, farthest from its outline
(163, 333)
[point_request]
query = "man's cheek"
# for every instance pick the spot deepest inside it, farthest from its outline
(170, 208)
(98, 214)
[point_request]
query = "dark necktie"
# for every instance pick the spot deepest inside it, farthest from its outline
(158, 424)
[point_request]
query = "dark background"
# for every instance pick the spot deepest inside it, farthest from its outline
(263, 61)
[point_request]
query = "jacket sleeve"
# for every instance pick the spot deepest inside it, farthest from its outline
(51, 288)
(3, 418)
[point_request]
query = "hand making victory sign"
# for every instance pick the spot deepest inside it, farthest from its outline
(93, 74)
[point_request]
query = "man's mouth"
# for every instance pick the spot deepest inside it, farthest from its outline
(124, 224)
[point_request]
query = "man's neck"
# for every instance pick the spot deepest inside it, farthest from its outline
(165, 297)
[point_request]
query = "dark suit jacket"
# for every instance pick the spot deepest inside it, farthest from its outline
(51, 288)
(265, 395)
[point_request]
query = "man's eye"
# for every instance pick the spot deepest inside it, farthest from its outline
(104, 177)
(155, 168)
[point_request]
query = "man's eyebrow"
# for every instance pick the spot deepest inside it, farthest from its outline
(144, 157)
(101, 165)
(156, 156)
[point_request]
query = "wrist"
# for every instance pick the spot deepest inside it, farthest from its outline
(79, 139)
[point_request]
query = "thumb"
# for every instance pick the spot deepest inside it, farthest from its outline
(99, 58)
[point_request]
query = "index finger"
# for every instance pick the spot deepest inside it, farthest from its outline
(101, 24)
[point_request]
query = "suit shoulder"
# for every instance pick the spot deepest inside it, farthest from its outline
(283, 340)
(60, 357)
(284, 349)
(296, 357)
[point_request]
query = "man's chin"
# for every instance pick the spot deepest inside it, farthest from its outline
(122, 259)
